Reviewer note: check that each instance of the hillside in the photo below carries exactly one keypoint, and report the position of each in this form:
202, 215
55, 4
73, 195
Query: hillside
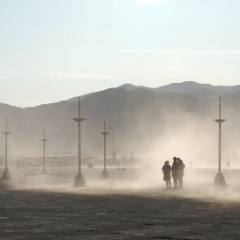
145, 122
202, 90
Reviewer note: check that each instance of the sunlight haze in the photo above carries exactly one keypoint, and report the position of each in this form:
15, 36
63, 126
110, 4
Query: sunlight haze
55, 50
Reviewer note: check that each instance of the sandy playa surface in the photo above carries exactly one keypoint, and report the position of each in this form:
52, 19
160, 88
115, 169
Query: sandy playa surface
132, 204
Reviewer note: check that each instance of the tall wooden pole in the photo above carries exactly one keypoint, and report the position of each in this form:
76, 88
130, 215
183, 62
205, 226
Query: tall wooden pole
219, 178
79, 180
220, 137
79, 139
6, 145
6, 174
105, 172
44, 171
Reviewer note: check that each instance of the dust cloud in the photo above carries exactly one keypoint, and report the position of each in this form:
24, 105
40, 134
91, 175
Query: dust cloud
198, 183
146, 133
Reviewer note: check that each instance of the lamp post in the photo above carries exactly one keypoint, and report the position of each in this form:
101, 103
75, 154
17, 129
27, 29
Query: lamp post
44, 171
219, 178
105, 172
113, 151
6, 174
79, 180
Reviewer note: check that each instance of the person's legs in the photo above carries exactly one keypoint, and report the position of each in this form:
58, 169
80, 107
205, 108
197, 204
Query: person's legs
175, 182
180, 182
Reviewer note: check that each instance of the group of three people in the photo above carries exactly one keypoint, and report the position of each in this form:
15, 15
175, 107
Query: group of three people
177, 170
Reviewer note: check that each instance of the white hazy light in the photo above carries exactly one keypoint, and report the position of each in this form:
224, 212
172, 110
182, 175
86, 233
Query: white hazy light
149, 2
73, 75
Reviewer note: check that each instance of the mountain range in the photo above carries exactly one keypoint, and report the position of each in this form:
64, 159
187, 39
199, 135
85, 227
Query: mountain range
156, 123
195, 89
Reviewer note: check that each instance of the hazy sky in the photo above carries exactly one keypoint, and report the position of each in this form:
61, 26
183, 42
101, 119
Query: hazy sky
52, 50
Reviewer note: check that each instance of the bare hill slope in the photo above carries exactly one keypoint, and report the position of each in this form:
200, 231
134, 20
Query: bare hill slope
145, 122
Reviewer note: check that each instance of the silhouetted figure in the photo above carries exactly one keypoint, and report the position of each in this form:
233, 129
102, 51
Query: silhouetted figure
167, 173
90, 165
228, 164
175, 172
181, 167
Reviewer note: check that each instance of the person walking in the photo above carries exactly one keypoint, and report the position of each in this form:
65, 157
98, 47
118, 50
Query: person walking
181, 167
167, 174
175, 172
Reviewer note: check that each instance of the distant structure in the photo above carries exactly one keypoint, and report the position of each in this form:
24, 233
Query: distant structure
56, 154
44, 171
6, 174
113, 151
228, 164
132, 156
219, 179
67, 154
105, 172
79, 180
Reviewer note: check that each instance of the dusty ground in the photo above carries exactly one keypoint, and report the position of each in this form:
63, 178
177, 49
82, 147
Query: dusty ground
131, 205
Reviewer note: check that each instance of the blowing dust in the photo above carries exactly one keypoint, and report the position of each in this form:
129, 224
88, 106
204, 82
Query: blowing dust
147, 182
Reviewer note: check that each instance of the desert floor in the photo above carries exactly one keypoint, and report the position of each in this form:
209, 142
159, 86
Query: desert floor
132, 204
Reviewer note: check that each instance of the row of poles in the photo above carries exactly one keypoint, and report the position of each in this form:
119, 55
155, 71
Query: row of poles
80, 181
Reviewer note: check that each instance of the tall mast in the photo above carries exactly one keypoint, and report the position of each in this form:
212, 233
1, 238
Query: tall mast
219, 179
